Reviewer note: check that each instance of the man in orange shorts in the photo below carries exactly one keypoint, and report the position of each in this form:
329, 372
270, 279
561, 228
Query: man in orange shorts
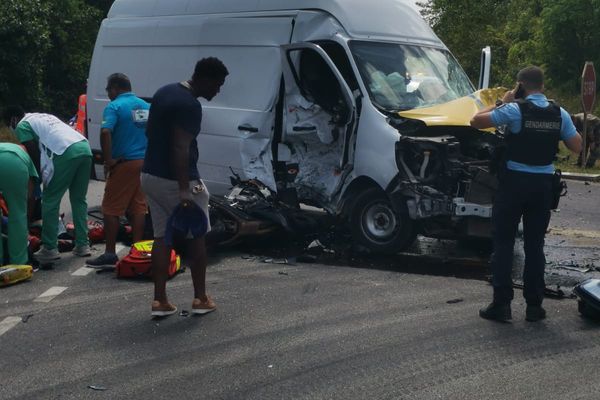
123, 141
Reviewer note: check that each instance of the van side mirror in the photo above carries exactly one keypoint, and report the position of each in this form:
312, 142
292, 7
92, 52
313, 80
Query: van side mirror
485, 68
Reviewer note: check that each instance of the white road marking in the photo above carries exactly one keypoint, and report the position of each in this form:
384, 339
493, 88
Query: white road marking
83, 271
8, 323
50, 294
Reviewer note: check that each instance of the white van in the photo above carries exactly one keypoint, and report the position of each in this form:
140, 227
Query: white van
353, 106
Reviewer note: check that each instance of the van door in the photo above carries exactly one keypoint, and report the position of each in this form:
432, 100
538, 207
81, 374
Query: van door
238, 123
319, 123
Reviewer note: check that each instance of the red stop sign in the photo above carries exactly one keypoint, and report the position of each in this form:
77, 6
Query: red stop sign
588, 87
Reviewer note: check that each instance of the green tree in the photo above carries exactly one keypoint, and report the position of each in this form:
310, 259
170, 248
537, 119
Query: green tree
68, 59
558, 35
25, 34
466, 27
102, 5
521, 35
569, 36
46, 51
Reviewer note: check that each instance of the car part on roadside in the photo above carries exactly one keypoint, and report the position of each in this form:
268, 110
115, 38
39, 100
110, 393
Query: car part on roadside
252, 210
588, 293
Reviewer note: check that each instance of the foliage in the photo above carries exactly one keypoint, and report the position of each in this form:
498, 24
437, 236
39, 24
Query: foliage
46, 51
47, 44
558, 35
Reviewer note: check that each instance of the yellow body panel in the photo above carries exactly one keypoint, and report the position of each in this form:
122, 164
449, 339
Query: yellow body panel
457, 112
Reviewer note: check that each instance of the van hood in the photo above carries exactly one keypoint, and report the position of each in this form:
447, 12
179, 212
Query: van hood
456, 112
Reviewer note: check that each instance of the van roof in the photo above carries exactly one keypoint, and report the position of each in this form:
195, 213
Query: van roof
388, 19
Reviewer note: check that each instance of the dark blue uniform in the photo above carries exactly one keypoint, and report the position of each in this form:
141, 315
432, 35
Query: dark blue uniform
534, 128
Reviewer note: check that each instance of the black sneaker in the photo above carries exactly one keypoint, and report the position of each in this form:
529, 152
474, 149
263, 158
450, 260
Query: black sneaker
496, 312
534, 313
103, 261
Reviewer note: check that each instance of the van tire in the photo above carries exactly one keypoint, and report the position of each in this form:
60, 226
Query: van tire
377, 225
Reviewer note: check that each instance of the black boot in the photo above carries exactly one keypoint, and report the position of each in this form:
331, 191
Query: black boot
496, 312
534, 313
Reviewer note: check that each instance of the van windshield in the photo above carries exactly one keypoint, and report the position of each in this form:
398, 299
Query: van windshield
402, 77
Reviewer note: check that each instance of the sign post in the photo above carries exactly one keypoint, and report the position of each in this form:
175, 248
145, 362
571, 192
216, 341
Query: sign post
588, 98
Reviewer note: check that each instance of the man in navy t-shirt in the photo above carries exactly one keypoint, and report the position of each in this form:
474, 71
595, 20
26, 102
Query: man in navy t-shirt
170, 175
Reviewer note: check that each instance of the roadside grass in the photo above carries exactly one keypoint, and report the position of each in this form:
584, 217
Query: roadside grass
567, 162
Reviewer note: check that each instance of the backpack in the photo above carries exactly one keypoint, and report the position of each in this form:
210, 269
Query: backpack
138, 263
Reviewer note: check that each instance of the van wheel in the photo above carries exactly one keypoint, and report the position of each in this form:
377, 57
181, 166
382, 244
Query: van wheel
378, 226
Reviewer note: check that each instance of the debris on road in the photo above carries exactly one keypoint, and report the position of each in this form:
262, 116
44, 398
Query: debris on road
184, 313
95, 387
275, 260
574, 269
25, 318
557, 293
588, 293
251, 210
455, 301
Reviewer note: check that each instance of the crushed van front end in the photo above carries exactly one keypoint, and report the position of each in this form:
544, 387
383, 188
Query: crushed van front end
446, 177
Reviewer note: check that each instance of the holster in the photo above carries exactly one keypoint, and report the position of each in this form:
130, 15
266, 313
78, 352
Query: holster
559, 189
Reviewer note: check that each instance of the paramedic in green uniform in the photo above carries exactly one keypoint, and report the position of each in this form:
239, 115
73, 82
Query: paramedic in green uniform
17, 174
63, 159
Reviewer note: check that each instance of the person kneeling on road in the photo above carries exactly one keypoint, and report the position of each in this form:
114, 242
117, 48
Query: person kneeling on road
534, 127
63, 159
123, 141
170, 176
17, 177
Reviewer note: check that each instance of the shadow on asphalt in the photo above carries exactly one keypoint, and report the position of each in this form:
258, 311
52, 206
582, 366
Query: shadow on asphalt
426, 257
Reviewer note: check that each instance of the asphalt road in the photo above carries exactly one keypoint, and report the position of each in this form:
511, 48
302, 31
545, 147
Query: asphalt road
381, 330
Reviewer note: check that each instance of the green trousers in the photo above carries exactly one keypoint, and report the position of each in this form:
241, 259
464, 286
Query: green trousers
14, 181
73, 174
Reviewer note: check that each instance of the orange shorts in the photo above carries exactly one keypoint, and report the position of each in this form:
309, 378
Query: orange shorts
123, 190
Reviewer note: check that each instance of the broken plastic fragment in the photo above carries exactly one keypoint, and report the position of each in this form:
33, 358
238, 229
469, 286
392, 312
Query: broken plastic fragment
94, 387
25, 318
275, 261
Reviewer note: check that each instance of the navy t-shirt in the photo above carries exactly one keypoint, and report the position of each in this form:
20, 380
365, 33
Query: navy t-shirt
172, 106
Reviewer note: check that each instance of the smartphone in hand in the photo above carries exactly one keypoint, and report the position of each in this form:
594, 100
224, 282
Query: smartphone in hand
519, 91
